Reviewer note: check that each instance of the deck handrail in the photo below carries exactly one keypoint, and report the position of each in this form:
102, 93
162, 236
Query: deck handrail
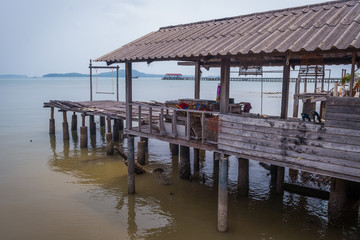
143, 107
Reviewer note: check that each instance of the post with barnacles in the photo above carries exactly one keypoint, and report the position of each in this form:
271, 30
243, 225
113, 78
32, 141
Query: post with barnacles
223, 163
83, 132
52, 122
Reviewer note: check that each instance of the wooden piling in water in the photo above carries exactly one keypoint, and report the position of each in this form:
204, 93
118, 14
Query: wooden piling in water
146, 140
184, 168
116, 130
102, 121
74, 122
223, 194
92, 125
141, 152
174, 149
196, 161
65, 125
52, 122
131, 165
109, 139
280, 180
243, 177
121, 124
83, 133
343, 201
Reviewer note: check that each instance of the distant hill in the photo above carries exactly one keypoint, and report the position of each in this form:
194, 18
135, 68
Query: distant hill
13, 76
135, 73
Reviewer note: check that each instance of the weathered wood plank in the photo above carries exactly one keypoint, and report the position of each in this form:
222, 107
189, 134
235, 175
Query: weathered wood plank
292, 150
275, 155
343, 101
297, 140
291, 165
342, 109
343, 117
343, 124
327, 137
294, 124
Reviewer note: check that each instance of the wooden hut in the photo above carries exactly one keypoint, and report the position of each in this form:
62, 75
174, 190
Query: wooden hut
320, 34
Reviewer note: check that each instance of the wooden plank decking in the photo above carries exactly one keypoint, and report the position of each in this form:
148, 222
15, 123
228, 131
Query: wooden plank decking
105, 108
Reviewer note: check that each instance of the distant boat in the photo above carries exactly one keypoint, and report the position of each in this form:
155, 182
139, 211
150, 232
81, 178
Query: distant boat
173, 76
135, 77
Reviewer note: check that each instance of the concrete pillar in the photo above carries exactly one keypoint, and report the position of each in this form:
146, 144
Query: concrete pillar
65, 127
52, 122
174, 149
184, 168
216, 159
223, 194
131, 165
74, 122
243, 177
141, 152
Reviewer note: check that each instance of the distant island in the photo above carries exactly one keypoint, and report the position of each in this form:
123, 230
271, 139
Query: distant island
13, 76
135, 73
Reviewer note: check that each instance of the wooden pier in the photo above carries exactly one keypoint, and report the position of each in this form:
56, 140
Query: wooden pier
329, 147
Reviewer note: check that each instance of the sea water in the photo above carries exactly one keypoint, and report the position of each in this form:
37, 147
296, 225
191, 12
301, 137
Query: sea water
52, 189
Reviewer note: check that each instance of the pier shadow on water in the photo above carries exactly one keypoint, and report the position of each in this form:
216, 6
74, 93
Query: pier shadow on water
188, 209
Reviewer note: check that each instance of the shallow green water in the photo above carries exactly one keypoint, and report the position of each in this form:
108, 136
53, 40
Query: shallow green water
50, 189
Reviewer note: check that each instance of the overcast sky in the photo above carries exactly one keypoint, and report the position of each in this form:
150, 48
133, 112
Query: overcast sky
46, 36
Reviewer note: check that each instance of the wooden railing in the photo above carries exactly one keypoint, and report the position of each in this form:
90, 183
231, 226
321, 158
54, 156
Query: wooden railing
151, 119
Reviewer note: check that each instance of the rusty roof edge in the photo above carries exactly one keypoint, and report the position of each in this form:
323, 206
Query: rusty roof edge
258, 13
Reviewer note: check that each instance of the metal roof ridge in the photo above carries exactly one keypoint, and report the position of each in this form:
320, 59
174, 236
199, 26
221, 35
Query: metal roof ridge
258, 13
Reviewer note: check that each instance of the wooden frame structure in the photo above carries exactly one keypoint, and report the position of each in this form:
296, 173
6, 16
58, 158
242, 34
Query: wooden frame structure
258, 40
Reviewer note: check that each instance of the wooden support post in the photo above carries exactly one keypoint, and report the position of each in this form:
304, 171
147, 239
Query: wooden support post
223, 195
296, 98
83, 133
336, 85
352, 77
343, 201
174, 149
197, 80
102, 121
225, 85
308, 106
285, 91
90, 67
73, 122
128, 94
116, 130
243, 177
121, 124
52, 122
280, 180
146, 140
196, 161
65, 127
184, 169
131, 165
141, 152
92, 125
109, 139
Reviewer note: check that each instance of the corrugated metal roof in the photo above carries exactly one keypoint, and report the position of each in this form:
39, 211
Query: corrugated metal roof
320, 27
